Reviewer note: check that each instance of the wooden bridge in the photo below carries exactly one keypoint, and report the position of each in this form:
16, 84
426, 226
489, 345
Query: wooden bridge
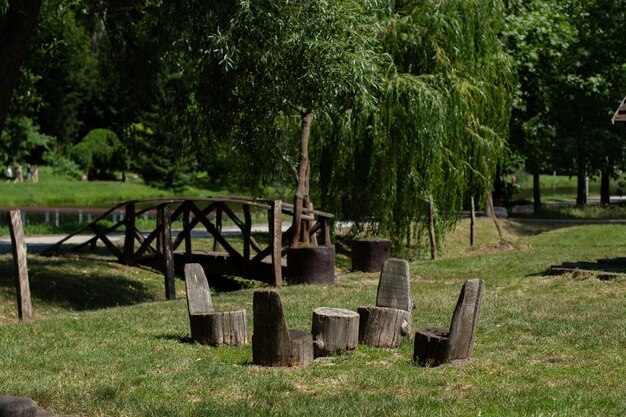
238, 254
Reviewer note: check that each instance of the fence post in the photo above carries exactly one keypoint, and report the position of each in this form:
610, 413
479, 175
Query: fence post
164, 218
24, 306
129, 234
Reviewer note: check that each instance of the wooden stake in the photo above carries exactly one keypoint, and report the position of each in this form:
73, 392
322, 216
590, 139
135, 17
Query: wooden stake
431, 230
24, 306
491, 212
472, 220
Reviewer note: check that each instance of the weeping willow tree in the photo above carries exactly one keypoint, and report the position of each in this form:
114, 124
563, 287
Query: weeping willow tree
438, 127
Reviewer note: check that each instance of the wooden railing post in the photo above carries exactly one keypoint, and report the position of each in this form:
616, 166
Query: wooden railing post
326, 231
129, 234
164, 218
218, 226
275, 223
24, 306
247, 234
187, 232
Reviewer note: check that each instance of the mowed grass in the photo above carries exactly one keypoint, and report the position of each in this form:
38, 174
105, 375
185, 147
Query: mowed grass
546, 346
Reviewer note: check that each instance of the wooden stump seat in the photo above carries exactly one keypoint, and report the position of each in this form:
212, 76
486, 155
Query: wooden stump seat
334, 330
273, 344
386, 324
433, 346
208, 327
369, 255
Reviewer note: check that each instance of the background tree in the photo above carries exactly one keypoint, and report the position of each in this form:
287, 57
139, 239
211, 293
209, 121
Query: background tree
538, 34
438, 127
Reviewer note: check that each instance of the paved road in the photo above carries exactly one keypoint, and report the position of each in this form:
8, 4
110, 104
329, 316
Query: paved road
40, 243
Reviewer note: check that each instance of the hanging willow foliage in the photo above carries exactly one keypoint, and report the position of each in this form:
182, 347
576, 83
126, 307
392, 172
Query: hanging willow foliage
436, 129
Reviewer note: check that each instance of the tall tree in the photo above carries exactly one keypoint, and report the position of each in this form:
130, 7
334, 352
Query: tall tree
17, 21
438, 128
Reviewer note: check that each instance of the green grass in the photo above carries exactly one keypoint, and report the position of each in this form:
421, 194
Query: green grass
546, 346
59, 191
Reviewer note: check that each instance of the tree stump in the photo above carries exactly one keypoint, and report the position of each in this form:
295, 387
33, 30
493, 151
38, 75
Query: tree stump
311, 265
430, 347
219, 328
272, 343
17, 407
334, 330
383, 326
370, 255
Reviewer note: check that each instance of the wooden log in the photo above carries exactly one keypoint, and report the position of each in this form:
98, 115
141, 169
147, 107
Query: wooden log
20, 266
430, 347
394, 289
219, 328
334, 330
273, 344
382, 326
311, 265
370, 255
17, 407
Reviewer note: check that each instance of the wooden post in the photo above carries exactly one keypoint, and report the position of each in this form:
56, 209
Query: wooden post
218, 226
431, 230
326, 229
275, 219
472, 220
163, 213
247, 231
187, 231
491, 212
24, 306
129, 234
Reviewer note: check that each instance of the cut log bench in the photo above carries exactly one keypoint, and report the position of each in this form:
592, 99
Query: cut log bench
208, 327
334, 330
273, 344
389, 322
21, 407
434, 346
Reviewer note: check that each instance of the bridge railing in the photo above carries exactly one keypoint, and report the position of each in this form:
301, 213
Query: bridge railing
211, 213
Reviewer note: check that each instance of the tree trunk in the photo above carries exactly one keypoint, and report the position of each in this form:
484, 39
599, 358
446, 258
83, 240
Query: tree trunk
498, 186
581, 194
605, 198
301, 189
14, 43
536, 191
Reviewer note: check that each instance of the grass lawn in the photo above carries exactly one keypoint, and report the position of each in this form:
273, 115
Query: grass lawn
545, 346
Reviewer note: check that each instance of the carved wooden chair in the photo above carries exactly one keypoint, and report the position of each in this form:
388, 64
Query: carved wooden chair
273, 344
386, 324
434, 346
208, 327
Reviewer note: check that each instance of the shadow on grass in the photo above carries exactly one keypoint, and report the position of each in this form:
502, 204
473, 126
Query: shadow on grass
64, 282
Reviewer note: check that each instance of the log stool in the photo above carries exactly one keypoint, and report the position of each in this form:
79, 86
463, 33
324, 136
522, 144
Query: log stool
334, 330
369, 255
386, 324
208, 327
435, 346
273, 344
